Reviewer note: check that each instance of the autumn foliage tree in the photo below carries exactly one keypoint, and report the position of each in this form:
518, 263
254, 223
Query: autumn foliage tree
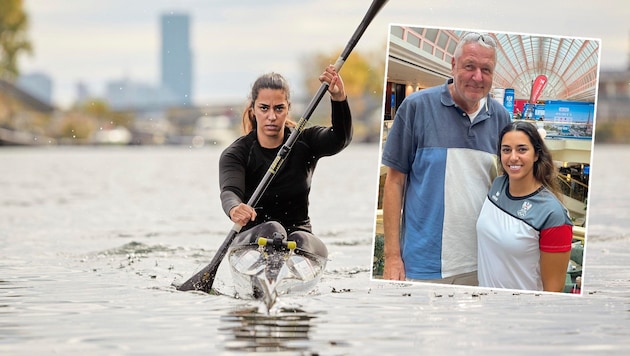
13, 37
363, 76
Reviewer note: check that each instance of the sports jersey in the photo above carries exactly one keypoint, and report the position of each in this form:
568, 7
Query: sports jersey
513, 230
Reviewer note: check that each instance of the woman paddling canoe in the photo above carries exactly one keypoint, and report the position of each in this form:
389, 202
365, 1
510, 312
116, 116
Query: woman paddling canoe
283, 208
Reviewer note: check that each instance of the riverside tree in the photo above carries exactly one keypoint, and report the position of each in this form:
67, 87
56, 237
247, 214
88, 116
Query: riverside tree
13, 37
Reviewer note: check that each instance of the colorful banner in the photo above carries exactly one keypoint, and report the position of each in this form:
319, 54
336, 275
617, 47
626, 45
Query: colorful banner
560, 118
508, 99
537, 88
569, 111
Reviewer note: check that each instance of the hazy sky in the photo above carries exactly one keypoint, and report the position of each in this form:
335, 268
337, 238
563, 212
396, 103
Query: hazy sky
234, 41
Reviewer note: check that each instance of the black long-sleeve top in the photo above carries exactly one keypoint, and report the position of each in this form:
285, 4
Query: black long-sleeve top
244, 163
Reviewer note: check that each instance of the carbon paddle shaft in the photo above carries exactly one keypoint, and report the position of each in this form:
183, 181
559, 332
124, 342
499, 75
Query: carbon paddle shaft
204, 279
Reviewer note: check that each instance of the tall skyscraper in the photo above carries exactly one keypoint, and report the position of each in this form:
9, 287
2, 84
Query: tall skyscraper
176, 57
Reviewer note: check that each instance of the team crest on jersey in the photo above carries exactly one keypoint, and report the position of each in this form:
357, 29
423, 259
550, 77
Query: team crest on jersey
524, 209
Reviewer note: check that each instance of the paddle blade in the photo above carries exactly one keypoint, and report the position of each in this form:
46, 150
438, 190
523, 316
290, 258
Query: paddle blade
204, 279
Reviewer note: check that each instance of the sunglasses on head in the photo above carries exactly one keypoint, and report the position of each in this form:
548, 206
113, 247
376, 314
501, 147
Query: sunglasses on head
485, 38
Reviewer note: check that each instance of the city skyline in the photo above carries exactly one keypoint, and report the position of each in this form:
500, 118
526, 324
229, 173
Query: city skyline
232, 43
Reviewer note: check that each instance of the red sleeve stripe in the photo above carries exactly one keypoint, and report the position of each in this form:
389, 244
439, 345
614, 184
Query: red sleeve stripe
556, 239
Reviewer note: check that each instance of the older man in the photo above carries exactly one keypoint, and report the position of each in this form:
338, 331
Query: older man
441, 159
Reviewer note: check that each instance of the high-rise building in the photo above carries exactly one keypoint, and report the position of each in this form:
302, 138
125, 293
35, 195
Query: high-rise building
176, 57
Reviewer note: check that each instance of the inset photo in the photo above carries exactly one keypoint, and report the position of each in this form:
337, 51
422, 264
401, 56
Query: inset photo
485, 159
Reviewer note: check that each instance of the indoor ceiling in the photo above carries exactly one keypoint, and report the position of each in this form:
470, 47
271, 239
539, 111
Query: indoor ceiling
421, 57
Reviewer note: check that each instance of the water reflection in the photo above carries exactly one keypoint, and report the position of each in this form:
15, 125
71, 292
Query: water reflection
252, 331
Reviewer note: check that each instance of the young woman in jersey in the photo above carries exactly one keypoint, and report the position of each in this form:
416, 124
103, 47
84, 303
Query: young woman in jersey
524, 232
284, 205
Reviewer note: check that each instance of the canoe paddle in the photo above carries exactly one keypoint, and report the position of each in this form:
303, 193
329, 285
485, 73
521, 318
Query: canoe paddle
204, 279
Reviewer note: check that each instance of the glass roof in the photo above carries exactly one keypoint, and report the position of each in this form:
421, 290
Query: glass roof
570, 64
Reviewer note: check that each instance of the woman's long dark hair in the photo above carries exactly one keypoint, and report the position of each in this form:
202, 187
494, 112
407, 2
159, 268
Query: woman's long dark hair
266, 81
544, 169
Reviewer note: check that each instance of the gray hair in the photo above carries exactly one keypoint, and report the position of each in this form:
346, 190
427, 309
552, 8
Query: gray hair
483, 39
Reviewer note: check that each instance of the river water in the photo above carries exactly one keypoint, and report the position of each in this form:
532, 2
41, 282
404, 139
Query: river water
92, 239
